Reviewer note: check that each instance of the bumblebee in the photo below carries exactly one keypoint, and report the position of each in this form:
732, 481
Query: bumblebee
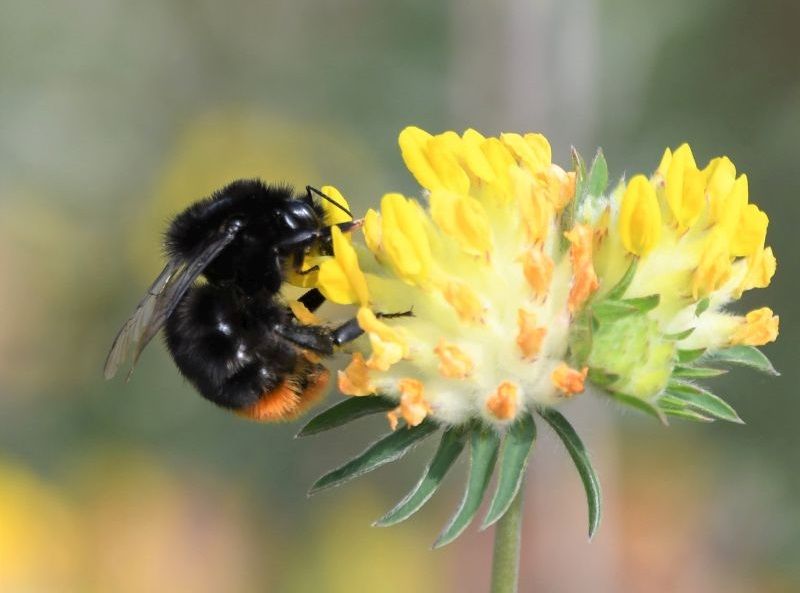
231, 336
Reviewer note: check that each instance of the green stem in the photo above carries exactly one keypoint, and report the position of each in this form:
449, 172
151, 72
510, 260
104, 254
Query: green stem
507, 536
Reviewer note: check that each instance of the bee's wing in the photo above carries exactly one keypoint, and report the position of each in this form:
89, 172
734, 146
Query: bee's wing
158, 304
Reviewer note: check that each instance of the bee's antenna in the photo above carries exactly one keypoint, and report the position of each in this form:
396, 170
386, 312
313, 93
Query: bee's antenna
314, 190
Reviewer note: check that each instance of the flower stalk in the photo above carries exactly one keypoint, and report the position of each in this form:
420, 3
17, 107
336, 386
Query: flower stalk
507, 545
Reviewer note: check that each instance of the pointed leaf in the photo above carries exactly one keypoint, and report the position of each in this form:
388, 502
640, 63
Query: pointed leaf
686, 414
703, 401
678, 336
597, 178
621, 287
390, 448
610, 310
746, 356
450, 447
346, 411
690, 372
579, 455
517, 446
686, 356
640, 404
702, 306
484, 443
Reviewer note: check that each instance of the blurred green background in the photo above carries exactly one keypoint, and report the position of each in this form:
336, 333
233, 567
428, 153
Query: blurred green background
114, 115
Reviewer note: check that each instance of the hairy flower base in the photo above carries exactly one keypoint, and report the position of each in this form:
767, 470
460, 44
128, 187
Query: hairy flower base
527, 281
511, 285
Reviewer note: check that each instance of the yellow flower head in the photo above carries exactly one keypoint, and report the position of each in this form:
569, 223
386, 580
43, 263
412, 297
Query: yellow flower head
527, 283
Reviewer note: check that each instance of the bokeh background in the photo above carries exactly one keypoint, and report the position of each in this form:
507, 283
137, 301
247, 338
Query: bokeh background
115, 114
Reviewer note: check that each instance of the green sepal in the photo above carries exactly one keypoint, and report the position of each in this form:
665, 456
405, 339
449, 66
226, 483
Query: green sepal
450, 447
702, 401
597, 178
640, 404
611, 310
678, 336
686, 356
346, 411
517, 447
390, 448
702, 306
749, 356
678, 408
484, 443
580, 457
620, 288
690, 372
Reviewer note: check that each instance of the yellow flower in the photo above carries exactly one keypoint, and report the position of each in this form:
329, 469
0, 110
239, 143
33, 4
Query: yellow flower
758, 327
685, 188
502, 273
640, 217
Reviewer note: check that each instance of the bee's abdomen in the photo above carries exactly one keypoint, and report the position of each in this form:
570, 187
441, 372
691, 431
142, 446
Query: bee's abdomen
229, 355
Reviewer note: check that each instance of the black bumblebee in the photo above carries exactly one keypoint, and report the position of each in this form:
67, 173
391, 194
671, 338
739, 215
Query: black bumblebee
231, 336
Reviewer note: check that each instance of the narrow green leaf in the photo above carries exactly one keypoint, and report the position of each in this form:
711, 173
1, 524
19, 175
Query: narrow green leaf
346, 411
483, 454
579, 455
517, 446
620, 288
744, 355
703, 401
450, 447
686, 356
686, 414
597, 178
702, 306
638, 403
610, 310
690, 372
680, 335
390, 448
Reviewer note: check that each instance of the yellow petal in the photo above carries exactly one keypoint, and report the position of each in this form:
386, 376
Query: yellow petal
501, 162
567, 380
758, 327
464, 219
340, 277
503, 402
454, 363
751, 232
663, 166
556, 185
404, 238
731, 208
413, 405
533, 155
535, 209
334, 215
389, 346
372, 231
474, 158
584, 278
640, 217
760, 270
413, 148
721, 175
464, 301
354, 379
714, 267
685, 188
538, 269
530, 335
